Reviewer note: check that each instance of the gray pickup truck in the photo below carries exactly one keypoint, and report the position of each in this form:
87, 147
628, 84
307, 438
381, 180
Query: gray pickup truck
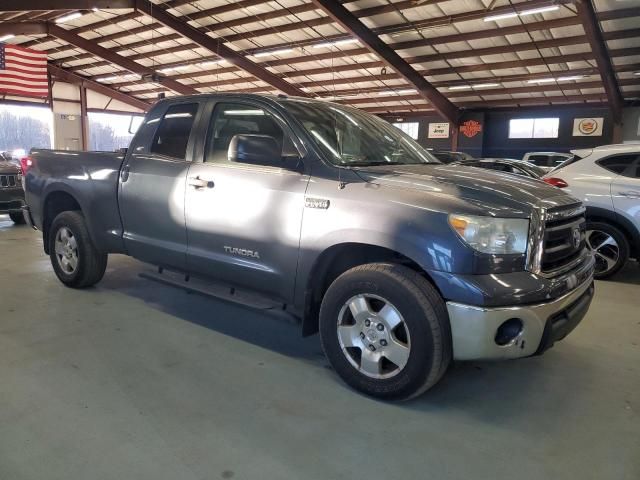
401, 263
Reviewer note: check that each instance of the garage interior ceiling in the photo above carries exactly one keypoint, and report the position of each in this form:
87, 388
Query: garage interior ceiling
476, 53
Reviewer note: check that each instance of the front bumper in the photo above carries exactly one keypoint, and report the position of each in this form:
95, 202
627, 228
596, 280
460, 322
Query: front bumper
474, 329
11, 200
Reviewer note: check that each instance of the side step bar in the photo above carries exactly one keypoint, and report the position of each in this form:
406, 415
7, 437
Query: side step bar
222, 292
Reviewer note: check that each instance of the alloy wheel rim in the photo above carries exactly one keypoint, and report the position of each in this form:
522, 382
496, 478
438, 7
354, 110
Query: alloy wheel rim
66, 249
373, 336
605, 249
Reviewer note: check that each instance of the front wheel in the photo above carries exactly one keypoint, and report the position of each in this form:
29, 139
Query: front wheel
75, 259
609, 246
17, 218
385, 330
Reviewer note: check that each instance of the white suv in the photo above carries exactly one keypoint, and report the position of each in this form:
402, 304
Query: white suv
607, 180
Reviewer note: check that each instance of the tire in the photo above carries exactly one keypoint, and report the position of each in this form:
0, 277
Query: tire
424, 328
69, 230
610, 247
17, 218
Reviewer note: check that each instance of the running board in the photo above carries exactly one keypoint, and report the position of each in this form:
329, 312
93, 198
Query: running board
230, 294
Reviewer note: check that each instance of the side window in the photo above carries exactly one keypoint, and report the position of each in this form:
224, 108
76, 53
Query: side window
557, 160
540, 160
231, 119
172, 136
626, 165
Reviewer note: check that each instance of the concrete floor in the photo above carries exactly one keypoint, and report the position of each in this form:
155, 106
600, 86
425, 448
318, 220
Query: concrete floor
134, 380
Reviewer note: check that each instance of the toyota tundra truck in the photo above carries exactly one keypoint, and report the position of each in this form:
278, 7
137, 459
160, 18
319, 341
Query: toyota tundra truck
401, 263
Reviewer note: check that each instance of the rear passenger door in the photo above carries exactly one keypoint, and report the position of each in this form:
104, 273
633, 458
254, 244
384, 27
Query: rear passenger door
152, 185
625, 188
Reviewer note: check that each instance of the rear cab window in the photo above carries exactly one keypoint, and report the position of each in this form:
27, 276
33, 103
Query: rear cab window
172, 135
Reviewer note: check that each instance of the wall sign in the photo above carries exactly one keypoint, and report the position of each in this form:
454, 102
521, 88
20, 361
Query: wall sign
438, 130
587, 127
470, 128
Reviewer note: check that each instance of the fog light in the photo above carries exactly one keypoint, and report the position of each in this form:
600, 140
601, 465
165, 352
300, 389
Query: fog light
508, 331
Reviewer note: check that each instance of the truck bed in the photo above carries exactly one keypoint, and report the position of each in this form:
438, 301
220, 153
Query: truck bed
89, 179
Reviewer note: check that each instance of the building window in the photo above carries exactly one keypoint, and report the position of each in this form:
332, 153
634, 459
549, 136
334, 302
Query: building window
410, 128
24, 128
533, 127
111, 131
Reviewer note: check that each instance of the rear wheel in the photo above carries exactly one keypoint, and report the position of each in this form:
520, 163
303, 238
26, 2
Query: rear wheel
609, 246
17, 218
385, 330
75, 259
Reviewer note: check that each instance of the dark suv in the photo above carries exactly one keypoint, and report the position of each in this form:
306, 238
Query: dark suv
11, 193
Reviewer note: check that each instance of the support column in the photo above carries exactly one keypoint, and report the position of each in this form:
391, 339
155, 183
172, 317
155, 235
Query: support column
84, 119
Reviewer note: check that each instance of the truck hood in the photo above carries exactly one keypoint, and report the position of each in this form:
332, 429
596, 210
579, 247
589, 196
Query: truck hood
493, 192
7, 168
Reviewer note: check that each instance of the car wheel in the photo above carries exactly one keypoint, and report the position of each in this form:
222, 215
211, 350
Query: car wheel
385, 330
75, 259
17, 218
609, 246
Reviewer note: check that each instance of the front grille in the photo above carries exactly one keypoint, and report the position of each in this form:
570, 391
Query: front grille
8, 181
564, 237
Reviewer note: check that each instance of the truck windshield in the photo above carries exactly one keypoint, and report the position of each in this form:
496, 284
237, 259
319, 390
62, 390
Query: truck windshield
351, 138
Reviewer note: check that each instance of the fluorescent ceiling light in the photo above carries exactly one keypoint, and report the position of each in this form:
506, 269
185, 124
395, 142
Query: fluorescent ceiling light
460, 87
67, 18
108, 79
171, 69
6, 37
542, 80
273, 52
485, 85
572, 77
210, 63
397, 92
501, 16
550, 8
336, 43
636, 73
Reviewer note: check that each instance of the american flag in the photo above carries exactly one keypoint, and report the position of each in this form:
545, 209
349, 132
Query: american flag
23, 71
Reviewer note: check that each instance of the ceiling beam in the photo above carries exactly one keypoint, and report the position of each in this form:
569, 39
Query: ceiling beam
588, 17
62, 75
217, 47
22, 28
397, 110
126, 63
44, 5
359, 30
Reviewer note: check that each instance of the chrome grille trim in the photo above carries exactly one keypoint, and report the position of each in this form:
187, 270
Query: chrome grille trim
537, 230
8, 181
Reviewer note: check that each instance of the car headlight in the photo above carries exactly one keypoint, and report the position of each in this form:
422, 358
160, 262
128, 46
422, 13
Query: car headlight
492, 235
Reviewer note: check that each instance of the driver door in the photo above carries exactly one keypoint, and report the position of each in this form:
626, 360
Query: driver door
244, 220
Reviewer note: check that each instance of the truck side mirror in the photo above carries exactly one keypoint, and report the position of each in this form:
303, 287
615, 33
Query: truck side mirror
259, 150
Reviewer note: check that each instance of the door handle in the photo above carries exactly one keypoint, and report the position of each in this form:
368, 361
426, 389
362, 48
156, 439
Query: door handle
630, 194
198, 183
124, 173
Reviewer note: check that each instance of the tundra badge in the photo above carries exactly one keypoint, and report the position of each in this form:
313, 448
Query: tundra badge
242, 251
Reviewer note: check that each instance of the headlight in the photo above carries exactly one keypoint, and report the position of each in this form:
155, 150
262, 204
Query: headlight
492, 235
